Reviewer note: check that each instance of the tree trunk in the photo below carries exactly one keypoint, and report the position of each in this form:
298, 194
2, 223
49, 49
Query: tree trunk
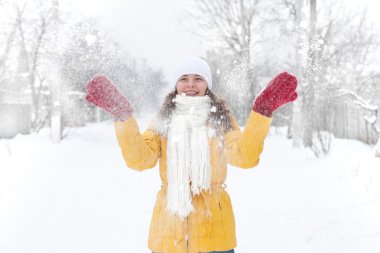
56, 117
309, 92
377, 149
296, 125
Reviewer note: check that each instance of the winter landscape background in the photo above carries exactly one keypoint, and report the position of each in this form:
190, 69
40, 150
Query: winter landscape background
64, 186
79, 196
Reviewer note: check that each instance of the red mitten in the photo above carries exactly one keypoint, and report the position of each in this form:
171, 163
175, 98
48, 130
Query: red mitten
104, 94
281, 90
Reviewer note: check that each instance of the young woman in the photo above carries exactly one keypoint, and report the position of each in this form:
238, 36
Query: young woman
194, 137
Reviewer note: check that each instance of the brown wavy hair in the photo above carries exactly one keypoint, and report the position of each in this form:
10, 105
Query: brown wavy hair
220, 118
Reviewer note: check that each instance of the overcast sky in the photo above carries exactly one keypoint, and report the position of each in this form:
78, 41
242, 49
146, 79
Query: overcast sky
152, 29
147, 29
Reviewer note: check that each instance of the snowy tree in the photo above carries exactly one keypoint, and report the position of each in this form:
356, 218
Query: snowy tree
347, 67
330, 57
51, 54
303, 128
26, 42
7, 38
90, 51
230, 25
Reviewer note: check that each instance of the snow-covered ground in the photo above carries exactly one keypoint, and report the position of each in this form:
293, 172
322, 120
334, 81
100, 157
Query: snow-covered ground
79, 197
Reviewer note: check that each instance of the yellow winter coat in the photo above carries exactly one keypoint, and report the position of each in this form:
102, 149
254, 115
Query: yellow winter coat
211, 227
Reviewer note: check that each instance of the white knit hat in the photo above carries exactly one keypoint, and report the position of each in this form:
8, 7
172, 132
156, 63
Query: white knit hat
193, 65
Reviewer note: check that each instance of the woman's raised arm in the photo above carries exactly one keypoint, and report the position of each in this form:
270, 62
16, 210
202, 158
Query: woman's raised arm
140, 151
244, 148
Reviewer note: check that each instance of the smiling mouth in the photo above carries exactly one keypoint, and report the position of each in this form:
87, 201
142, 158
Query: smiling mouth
191, 93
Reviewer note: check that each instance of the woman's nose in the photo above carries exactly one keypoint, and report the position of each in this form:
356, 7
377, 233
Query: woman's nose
190, 83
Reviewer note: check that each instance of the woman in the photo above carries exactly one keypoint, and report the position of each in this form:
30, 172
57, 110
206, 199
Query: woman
194, 137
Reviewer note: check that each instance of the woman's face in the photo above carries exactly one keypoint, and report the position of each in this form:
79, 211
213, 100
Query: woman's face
191, 85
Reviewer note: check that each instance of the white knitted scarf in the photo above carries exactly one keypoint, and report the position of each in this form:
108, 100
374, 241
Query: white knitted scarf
188, 153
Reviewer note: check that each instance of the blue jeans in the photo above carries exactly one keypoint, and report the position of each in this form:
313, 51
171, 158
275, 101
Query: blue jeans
228, 251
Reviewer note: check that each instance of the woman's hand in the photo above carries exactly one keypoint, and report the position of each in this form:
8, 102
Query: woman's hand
104, 94
281, 90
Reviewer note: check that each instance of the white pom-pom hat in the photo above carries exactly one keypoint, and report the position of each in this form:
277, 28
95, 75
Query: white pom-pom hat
193, 65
